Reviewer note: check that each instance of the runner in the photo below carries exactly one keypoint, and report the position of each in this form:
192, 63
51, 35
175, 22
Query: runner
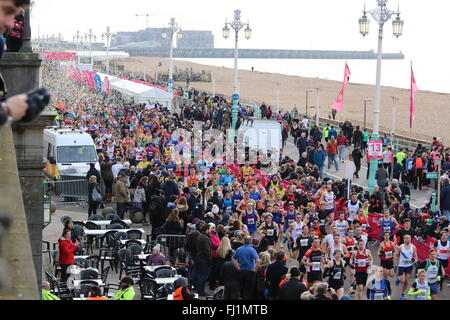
388, 224
294, 230
363, 221
407, 254
337, 244
341, 224
304, 242
379, 288
313, 260
443, 249
362, 259
335, 271
350, 243
269, 230
386, 252
328, 197
289, 217
434, 270
353, 206
420, 289
250, 218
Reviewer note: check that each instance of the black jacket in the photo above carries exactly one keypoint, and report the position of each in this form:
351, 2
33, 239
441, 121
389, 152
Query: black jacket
94, 172
275, 272
170, 188
292, 290
191, 243
204, 247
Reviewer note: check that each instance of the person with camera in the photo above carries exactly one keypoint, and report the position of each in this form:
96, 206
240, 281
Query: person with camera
22, 107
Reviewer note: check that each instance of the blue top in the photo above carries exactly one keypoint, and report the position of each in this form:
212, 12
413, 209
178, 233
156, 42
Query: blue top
246, 256
255, 196
319, 158
226, 179
387, 226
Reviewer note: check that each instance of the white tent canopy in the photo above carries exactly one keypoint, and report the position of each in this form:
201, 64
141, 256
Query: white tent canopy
111, 79
141, 92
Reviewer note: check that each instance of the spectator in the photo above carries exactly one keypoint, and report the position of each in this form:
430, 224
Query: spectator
246, 261
66, 252
445, 198
121, 195
293, 288
93, 203
332, 153
202, 263
126, 290
342, 145
156, 258
46, 294
275, 272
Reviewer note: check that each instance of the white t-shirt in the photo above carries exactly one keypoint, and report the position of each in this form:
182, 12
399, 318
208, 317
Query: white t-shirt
116, 168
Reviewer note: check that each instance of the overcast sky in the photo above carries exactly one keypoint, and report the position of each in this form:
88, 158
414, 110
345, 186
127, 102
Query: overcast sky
281, 24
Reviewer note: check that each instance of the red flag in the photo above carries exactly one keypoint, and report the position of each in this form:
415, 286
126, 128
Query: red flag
338, 106
414, 89
107, 88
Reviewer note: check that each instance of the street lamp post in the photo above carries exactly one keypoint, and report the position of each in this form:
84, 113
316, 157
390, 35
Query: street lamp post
318, 107
169, 33
365, 111
278, 98
236, 25
91, 37
108, 36
307, 91
381, 15
77, 38
394, 115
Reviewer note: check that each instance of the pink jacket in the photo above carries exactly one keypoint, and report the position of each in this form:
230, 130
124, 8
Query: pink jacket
215, 243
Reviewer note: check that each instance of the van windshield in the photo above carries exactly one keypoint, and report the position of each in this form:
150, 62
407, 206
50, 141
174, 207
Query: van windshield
76, 154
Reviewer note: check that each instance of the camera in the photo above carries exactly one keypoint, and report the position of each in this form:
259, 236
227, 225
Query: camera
37, 100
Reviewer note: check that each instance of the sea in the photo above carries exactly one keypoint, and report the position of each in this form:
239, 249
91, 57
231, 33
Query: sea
395, 73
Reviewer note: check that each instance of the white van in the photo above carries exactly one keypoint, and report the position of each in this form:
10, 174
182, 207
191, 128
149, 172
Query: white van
263, 135
71, 150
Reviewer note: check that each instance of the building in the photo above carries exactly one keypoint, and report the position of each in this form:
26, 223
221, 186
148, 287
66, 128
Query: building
152, 38
196, 39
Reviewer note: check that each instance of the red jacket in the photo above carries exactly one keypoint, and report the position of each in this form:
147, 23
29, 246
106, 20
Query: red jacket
66, 251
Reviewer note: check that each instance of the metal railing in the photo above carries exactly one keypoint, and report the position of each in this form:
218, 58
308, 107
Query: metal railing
171, 245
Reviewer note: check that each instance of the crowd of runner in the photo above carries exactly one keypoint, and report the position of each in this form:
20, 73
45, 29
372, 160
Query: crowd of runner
244, 226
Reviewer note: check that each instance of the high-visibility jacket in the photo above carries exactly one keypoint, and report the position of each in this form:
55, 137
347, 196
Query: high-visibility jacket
47, 295
177, 295
98, 298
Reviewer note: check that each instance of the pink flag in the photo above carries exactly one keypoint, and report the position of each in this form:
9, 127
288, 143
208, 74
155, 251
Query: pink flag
107, 89
414, 89
338, 106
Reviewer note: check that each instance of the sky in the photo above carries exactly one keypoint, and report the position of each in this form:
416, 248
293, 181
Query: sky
282, 24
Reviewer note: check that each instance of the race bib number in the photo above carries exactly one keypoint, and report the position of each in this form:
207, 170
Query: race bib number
251, 221
364, 226
322, 222
388, 254
228, 210
387, 229
270, 232
361, 263
379, 296
337, 275
316, 266
407, 261
236, 202
304, 242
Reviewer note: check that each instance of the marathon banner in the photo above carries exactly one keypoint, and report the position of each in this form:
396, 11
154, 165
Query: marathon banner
58, 56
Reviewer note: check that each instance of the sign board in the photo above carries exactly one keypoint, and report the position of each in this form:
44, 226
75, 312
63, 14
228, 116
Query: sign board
235, 97
432, 175
375, 149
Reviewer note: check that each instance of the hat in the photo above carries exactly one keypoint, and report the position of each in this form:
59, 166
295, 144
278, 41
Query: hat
181, 282
406, 205
295, 272
209, 215
215, 209
171, 205
212, 224
172, 176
